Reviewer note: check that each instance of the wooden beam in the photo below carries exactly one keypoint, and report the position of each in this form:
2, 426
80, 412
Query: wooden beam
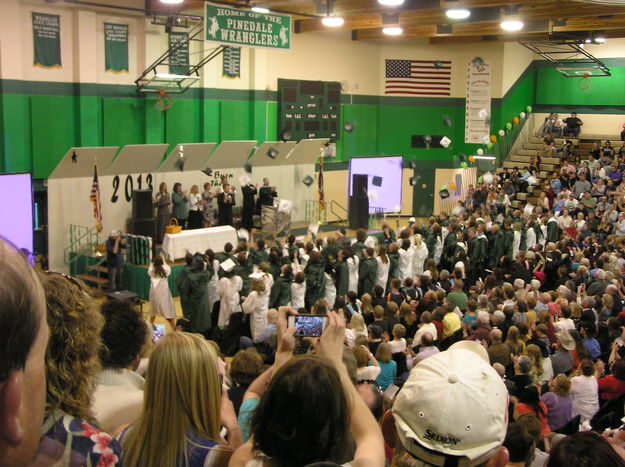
455, 40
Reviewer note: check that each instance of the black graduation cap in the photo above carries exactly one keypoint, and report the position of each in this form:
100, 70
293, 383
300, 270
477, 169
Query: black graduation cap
413, 165
179, 164
477, 61
308, 180
444, 192
414, 180
348, 127
247, 167
74, 157
273, 153
285, 135
208, 171
438, 64
377, 180
446, 120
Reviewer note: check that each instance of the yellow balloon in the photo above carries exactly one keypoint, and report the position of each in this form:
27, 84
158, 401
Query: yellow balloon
493, 138
471, 159
452, 186
515, 120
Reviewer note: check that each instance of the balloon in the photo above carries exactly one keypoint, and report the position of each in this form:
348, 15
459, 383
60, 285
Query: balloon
471, 159
515, 120
528, 108
480, 152
452, 186
490, 145
502, 133
508, 126
493, 139
464, 165
522, 115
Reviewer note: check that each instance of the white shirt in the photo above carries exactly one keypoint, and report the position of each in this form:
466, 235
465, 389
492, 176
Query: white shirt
352, 269
298, 292
194, 201
430, 327
228, 289
420, 255
405, 263
381, 275
397, 346
118, 398
585, 392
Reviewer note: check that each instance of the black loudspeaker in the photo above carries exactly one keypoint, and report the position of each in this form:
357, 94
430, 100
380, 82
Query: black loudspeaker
358, 212
359, 185
142, 205
144, 227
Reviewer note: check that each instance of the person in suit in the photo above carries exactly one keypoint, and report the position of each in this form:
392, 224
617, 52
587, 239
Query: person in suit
225, 201
249, 191
267, 193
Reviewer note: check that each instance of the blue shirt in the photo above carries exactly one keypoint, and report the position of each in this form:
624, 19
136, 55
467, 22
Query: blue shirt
245, 416
114, 259
388, 373
593, 347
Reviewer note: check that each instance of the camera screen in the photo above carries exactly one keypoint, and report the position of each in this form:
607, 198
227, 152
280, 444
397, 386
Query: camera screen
158, 333
309, 326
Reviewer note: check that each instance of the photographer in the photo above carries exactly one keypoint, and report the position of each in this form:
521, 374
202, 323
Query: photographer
115, 259
226, 201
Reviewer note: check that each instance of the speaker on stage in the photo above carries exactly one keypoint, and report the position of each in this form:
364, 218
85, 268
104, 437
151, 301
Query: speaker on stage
142, 205
144, 227
358, 212
359, 184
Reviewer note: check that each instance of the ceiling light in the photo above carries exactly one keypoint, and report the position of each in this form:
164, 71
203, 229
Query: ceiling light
171, 1
600, 40
260, 9
458, 13
390, 2
392, 31
333, 21
511, 25
588, 40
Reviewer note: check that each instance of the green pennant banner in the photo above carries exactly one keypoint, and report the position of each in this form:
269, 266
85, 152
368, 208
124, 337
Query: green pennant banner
243, 27
179, 60
232, 62
116, 47
47, 39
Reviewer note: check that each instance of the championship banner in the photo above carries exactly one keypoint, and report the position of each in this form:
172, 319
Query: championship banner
243, 27
477, 116
179, 60
232, 62
47, 39
116, 47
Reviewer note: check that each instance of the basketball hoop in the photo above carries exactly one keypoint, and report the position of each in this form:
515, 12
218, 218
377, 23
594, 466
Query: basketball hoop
584, 82
163, 101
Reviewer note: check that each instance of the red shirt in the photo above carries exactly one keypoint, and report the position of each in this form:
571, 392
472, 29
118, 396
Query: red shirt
522, 408
440, 328
611, 387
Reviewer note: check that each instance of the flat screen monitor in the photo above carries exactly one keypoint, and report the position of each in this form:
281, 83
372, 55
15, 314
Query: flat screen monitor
384, 181
16, 209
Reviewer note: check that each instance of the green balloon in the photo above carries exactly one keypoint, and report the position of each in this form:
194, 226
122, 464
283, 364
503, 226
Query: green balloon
509, 126
464, 165
489, 145
528, 108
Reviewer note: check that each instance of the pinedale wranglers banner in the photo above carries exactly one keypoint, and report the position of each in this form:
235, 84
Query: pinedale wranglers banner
242, 27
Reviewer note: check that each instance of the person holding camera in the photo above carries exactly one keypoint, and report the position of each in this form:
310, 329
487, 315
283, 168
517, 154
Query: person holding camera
115, 245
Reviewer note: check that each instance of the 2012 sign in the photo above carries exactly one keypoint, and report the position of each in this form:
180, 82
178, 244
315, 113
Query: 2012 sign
129, 186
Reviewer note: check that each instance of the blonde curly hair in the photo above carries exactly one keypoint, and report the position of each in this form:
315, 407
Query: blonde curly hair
72, 356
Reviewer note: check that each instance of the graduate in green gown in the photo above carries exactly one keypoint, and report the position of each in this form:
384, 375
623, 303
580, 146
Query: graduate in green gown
315, 280
342, 275
367, 272
195, 287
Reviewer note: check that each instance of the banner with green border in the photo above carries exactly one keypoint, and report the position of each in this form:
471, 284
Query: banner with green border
179, 60
116, 47
244, 27
232, 62
47, 39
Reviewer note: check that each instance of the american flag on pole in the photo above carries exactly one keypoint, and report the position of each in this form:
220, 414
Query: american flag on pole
418, 77
95, 199
322, 203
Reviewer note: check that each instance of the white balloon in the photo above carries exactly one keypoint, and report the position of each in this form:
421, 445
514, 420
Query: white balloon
480, 152
522, 115
502, 133
488, 178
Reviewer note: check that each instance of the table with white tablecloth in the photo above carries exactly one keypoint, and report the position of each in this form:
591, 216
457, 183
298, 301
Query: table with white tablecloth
176, 246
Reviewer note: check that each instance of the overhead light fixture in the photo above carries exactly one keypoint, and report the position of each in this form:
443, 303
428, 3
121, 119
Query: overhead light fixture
458, 13
485, 158
171, 2
390, 2
600, 40
333, 21
392, 31
512, 25
588, 40
260, 9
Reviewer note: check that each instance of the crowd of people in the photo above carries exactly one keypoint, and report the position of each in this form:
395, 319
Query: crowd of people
487, 337
195, 210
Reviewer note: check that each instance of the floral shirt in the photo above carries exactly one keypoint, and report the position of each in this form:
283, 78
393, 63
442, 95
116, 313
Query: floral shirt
71, 442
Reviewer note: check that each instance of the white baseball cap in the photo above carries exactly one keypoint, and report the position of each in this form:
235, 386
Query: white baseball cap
412, 220
453, 404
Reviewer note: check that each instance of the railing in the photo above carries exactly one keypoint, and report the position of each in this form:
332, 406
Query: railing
312, 213
331, 208
513, 138
375, 214
80, 239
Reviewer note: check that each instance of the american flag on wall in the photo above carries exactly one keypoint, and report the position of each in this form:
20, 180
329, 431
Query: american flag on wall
95, 199
418, 77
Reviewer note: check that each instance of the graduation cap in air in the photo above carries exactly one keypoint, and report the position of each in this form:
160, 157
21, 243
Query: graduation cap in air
376, 180
348, 127
414, 180
445, 141
438, 64
446, 120
227, 265
179, 164
245, 180
272, 152
74, 157
308, 180
285, 135
247, 167
443, 192
208, 171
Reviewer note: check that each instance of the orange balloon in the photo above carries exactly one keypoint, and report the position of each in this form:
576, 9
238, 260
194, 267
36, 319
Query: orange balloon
493, 138
515, 120
471, 159
452, 186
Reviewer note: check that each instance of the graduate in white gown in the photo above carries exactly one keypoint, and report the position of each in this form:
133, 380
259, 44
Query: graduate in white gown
420, 255
256, 305
406, 254
161, 302
352, 268
228, 289
381, 275
298, 291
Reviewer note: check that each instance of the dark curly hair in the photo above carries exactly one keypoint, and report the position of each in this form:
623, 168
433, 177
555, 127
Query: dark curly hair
123, 336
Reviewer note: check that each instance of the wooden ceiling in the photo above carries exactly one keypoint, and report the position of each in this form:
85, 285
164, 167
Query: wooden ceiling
543, 19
